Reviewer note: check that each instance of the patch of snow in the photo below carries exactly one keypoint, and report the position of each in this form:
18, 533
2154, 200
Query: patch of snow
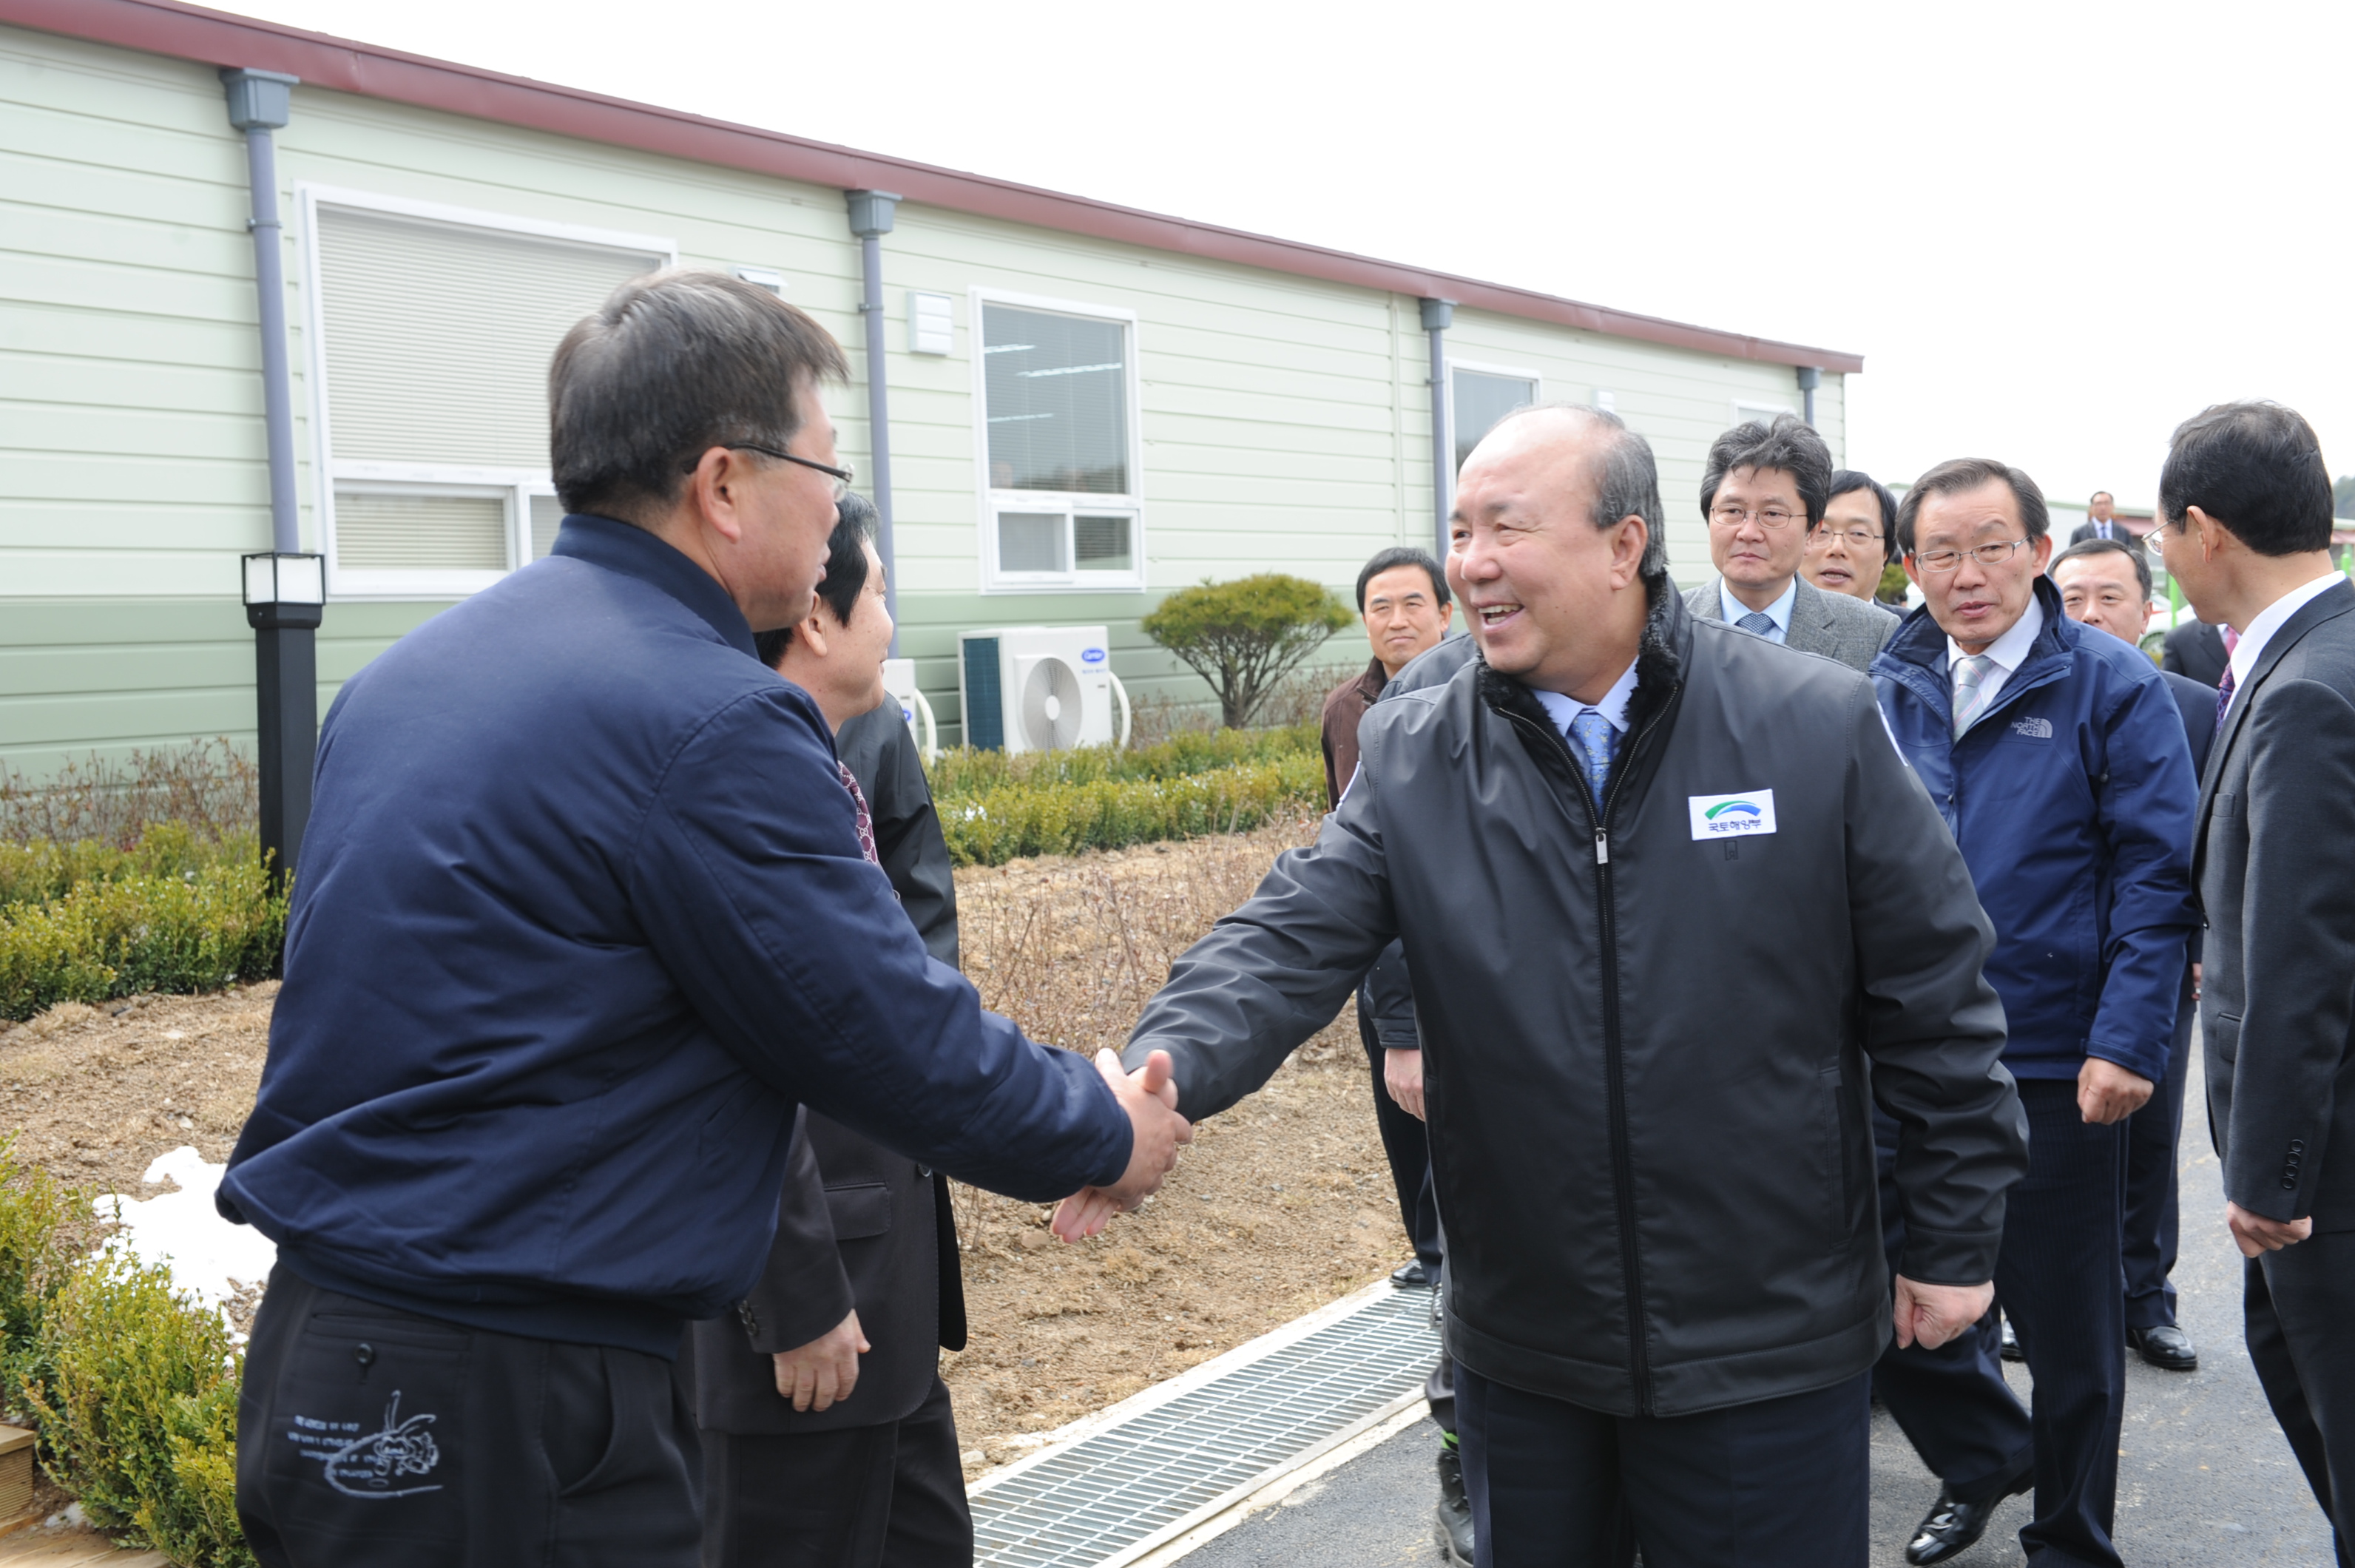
208, 1257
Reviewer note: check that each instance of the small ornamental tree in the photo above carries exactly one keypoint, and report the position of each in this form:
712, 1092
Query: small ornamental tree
1246, 636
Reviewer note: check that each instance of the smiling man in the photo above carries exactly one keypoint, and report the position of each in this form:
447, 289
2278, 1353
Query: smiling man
1856, 543
2057, 756
1664, 1280
1763, 491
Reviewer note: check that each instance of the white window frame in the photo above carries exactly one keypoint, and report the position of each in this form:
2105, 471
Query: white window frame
1481, 368
1745, 409
422, 478
990, 502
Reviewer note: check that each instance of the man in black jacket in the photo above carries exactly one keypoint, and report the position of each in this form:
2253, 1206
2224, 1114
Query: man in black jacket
1665, 888
797, 1473
2244, 502
2197, 650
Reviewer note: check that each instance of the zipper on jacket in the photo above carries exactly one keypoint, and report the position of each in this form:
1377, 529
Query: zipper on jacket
1623, 1174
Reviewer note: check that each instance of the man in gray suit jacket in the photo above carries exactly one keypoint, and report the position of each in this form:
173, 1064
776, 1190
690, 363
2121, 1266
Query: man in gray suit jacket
1765, 487
2244, 502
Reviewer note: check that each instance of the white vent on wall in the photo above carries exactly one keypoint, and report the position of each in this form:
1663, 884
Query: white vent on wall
931, 324
767, 278
1606, 399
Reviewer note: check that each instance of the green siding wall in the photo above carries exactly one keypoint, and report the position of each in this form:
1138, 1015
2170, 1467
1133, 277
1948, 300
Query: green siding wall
1285, 422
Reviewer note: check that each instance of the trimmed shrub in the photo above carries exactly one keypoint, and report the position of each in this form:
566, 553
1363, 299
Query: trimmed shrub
965, 772
38, 1219
83, 923
989, 827
139, 1416
1244, 636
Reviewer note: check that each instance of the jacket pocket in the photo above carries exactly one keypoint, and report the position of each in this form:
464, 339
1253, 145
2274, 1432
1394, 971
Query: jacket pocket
727, 1119
2225, 805
2220, 1033
857, 1212
1832, 1117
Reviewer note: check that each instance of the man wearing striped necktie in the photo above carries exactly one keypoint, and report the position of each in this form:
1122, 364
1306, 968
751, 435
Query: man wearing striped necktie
2057, 756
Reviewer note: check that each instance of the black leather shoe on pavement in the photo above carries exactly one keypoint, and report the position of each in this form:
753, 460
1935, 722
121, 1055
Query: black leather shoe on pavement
1951, 1528
2167, 1347
1454, 1529
1410, 1274
2011, 1350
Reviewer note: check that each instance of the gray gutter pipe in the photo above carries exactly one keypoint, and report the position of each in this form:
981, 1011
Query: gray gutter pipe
1810, 377
260, 101
1437, 317
871, 213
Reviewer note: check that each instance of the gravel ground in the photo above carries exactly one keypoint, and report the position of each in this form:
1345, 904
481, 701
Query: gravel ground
2204, 1477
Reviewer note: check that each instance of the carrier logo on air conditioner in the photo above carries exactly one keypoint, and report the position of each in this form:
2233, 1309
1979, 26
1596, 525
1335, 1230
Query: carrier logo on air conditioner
1092, 656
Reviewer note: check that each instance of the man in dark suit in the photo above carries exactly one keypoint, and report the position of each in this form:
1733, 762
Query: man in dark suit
2197, 649
2106, 583
2244, 502
1764, 490
2099, 524
797, 1470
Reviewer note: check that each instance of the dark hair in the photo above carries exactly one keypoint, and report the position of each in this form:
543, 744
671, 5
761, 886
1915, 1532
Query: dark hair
2084, 548
2097, 495
1849, 479
2255, 467
1626, 482
846, 572
671, 364
1391, 560
1789, 444
1961, 473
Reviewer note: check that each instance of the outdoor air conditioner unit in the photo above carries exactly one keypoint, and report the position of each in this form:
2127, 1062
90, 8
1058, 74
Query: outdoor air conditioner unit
899, 687
1040, 688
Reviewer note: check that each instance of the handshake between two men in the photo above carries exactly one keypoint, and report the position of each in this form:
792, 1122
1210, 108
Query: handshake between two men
1150, 1098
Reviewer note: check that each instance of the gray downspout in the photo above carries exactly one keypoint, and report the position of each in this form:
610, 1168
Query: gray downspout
1810, 377
285, 652
1437, 317
871, 219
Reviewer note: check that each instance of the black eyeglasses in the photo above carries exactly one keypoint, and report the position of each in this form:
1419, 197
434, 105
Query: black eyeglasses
841, 477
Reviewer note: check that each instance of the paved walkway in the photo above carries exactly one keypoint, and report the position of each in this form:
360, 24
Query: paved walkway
2204, 1479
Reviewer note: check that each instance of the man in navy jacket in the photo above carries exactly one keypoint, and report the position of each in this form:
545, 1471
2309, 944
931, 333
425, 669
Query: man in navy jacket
2057, 757
559, 969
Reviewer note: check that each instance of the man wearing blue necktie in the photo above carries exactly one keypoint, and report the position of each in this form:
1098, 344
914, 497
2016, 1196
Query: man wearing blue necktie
1764, 489
1664, 890
2100, 523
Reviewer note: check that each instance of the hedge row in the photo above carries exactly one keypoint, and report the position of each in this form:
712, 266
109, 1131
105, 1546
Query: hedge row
86, 922
989, 827
966, 773
131, 1384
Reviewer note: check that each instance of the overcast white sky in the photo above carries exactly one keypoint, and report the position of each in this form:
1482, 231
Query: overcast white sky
2052, 230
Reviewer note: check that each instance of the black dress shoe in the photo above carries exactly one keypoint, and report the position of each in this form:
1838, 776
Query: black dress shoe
2011, 1350
1411, 1274
1454, 1529
1951, 1528
2165, 1347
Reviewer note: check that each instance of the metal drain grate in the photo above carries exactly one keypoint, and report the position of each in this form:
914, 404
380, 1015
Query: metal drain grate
1112, 1496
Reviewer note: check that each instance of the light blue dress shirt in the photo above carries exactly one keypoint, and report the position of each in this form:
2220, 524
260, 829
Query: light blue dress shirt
1564, 710
1779, 611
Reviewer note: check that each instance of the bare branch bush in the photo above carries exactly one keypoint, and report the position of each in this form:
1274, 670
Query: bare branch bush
210, 788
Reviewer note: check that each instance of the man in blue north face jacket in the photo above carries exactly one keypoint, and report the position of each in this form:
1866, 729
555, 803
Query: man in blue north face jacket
2056, 754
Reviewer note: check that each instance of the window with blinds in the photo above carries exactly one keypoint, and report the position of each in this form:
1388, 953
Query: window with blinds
434, 336
1481, 398
1059, 443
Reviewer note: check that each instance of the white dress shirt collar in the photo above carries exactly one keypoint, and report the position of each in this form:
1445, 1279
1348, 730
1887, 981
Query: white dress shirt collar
2008, 651
1562, 710
2271, 619
1779, 611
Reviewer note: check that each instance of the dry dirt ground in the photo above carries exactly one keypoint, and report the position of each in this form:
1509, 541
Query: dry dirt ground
1279, 1205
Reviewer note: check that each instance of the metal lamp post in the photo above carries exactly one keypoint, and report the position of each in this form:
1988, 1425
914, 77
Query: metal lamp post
285, 594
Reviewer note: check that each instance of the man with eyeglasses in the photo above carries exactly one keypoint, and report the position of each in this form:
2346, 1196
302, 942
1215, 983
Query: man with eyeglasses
1763, 492
2057, 756
1855, 542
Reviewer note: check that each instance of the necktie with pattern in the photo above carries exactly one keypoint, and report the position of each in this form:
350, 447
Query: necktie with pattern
1596, 737
1757, 621
2224, 687
866, 819
1970, 695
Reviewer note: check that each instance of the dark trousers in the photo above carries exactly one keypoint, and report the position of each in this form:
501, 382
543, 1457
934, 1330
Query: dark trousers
2151, 1215
1408, 1151
370, 1435
2058, 1279
2298, 1304
857, 1497
1952, 1402
1783, 1483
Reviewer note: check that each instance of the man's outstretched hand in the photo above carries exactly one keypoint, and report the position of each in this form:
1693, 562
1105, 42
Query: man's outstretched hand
1933, 1313
1151, 1101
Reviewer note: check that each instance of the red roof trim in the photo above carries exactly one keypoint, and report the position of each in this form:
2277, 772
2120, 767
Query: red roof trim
216, 38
